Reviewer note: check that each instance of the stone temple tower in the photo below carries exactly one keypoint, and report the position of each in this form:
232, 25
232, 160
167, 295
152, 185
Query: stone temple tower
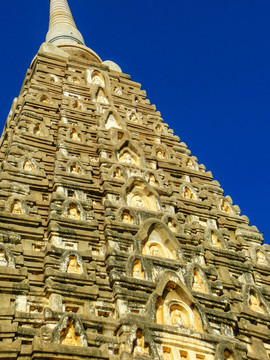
115, 244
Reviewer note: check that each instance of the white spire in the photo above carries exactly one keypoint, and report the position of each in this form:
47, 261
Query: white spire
62, 28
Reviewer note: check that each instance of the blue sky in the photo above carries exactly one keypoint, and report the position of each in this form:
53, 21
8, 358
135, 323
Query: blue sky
205, 64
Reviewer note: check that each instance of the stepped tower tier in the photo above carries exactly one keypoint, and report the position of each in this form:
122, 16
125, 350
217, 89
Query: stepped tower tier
115, 243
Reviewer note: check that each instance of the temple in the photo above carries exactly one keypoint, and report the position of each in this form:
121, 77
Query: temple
115, 243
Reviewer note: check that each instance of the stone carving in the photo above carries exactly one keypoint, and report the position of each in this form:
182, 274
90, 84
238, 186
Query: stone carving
74, 169
197, 282
188, 194
214, 240
73, 267
228, 355
261, 258
171, 225
27, 166
127, 158
127, 218
152, 180
97, 79
37, 130
139, 348
74, 135
17, 208
73, 212
117, 174
68, 337
137, 270
255, 303
111, 122
160, 154
225, 207
101, 97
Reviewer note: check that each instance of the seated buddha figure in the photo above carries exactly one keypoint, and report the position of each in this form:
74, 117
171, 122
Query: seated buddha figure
28, 165
225, 207
74, 169
152, 180
117, 174
70, 338
73, 267
255, 304
197, 283
137, 272
261, 258
126, 218
188, 194
228, 355
17, 208
37, 131
74, 135
73, 212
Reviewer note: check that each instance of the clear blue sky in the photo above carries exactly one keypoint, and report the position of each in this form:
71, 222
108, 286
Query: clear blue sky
205, 64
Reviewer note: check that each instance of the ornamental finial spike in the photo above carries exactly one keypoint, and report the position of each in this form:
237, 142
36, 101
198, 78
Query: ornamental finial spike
62, 28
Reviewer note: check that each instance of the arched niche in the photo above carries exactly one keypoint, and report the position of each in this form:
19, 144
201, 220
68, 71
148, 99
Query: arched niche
6, 257
142, 196
71, 263
137, 270
117, 172
260, 256
111, 119
97, 79
28, 164
75, 167
227, 351
191, 163
225, 206
74, 135
76, 105
214, 238
188, 192
70, 331
140, 347
17, 206
101, 97
173, 305
134, 117
255, 300
197, 280
127, 216
126, 152
73, 210
44, 98
155, 239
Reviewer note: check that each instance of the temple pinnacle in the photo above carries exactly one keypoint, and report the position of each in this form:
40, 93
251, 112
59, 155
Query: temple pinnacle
62, 28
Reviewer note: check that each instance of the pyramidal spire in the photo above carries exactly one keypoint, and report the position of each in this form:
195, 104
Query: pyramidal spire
62, 28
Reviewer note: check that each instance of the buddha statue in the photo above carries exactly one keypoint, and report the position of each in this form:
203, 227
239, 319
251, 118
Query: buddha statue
72, 267
176, 317
137, 201
126, 218
152, 180
197, 284
228, 355
74, 135
159, 128
126, 157
190, 164
188, 194
137, 272
171, 225
37, 131
117, 174
3, 260
97, 79
28, 165
155, 251
214, 240
133, 118
73, 212
255, 304
17, 208
160, 154
74, 169
261, 259
70, 338
225, 207
118, 91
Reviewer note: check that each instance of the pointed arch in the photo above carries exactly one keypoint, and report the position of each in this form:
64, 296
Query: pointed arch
70, 331
172, 304
128, 153
197, 280
255, 300
111, 119
97, 78
71, 262
101, 97
188, 192
28, 164
139, 194
154, 233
